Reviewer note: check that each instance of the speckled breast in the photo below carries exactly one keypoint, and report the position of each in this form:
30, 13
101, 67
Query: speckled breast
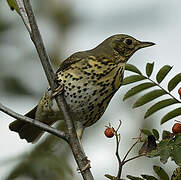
89, 86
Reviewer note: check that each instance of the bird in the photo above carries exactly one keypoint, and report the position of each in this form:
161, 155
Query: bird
89, 79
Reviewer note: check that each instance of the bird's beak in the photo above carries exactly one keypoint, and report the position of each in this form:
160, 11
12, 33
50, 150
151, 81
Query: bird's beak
145, 44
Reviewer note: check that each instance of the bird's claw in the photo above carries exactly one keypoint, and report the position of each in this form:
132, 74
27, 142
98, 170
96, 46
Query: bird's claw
57, 91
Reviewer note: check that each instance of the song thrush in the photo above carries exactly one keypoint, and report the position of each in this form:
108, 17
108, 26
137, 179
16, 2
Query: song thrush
90, 79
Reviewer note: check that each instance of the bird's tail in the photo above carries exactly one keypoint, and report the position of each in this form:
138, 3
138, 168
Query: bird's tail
26, 130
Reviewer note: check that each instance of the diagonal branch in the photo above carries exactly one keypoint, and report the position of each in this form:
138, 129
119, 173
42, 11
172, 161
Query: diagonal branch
54, 131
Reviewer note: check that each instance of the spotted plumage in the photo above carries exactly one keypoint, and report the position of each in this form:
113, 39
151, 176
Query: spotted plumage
90, 79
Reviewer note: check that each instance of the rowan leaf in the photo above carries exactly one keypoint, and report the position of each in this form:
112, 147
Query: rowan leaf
137, 89
155, 133
171, 114
148, 177
176, 154
162, 73
159, 105
174, 82
132, 68
132, 79
149, 69
149, 97
161, 173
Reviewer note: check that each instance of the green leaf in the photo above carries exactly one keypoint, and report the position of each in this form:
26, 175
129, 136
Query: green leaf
147, 177
12, 5
133, 178
132, 68
149, 97
149, 69
132, 79
171, 114
178, 139
174, 82
155, 133
146, 132
138, 89
164, 155
162, 73
110, 177
166, 135
177, 154
161, 173
159, 105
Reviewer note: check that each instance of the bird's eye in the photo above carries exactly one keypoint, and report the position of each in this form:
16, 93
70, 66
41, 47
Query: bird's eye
128, 41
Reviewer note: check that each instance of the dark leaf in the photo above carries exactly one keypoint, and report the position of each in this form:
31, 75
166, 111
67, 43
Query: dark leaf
174, 82
162, 73
159, 105
137, 89
133, 178
132, 68
155, 133
149, 69
149, 97
177, 154
110, 177
146, 132
147, 177
132, 79
166, 135
171, 114
161, 173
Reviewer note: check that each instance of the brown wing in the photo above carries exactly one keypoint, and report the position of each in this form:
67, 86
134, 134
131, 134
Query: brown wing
73, 59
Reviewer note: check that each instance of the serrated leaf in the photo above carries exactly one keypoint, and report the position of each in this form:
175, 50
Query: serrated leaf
132, 68
162, 73
148, 177
174, 82
178, 139
171, 114
176, 174
149, 69
146, 132
166, 135
164, 155
132, 79
155, 133
149, 97
161, 173
138, 89
133, 178
177, 154
159, 105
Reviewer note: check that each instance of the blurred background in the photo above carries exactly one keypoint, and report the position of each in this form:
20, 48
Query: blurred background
68, 26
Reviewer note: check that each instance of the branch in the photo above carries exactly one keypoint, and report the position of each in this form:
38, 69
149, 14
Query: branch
74, 143
54, 131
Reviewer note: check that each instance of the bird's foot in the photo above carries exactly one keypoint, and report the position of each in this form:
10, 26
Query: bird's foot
57, 91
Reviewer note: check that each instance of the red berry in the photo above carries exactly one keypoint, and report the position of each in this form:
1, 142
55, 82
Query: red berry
179, 92
176, 128
109, 132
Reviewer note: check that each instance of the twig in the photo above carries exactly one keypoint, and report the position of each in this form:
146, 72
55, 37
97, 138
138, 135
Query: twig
74, 143
23, 14
34, 122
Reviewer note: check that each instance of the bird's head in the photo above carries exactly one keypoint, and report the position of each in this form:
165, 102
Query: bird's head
124, 45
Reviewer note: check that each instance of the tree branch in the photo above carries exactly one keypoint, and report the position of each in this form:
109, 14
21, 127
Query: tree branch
74, 143
54, 131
